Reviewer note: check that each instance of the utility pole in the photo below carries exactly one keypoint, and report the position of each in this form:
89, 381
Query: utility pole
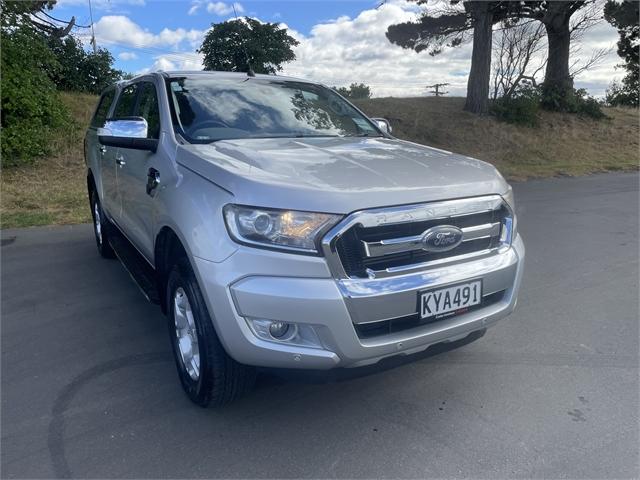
436, 89
93, 33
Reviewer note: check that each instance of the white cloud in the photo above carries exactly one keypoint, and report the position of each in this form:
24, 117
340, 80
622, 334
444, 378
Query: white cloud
121, 30
127, 56
347, 50
105, 5
175, 61
217, 8
221, 8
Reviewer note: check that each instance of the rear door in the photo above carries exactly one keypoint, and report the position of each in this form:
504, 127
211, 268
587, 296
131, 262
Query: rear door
97, 155
137, 217
112, 158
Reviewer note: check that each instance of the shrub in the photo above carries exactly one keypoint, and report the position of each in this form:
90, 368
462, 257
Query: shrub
521, 108
622, 95
356, 91
31, 107
590, 107
571, 101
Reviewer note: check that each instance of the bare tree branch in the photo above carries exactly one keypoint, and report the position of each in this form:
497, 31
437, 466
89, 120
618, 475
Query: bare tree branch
518, 48
596, 58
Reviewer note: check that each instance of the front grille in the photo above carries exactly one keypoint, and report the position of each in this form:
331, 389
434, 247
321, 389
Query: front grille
385, 327
355, 261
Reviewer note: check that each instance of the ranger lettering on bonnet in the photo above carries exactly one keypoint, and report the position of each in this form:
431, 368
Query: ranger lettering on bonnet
276, 225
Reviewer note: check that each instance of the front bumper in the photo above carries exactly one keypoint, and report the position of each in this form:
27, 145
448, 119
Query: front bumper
309, 294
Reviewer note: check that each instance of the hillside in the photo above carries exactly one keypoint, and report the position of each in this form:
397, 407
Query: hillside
563, 144
53, 191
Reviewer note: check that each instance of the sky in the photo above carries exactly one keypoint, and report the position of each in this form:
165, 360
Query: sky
341, 41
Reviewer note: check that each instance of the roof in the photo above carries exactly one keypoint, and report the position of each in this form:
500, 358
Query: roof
198, 73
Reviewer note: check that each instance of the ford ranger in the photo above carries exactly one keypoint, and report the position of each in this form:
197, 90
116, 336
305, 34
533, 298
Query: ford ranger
278, 226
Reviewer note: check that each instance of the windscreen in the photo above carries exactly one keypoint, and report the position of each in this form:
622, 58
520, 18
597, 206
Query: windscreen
208, 109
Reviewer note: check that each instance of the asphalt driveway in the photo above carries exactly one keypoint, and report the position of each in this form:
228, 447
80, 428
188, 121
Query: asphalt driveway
89, 388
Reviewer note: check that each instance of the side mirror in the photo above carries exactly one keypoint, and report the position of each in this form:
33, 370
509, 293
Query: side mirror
383, 124
130, 132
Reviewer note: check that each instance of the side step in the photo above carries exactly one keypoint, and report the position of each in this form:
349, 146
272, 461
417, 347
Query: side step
138, 268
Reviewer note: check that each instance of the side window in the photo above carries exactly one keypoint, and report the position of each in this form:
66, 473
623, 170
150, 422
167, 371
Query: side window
126, 102
103, 108
148, 108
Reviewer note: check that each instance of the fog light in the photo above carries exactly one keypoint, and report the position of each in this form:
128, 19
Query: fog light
285, 332
278, 329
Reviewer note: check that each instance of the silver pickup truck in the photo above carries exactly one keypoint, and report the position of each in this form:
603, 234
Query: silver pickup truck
278, 226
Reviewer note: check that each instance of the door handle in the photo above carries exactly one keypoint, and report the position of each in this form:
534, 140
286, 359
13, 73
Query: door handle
120, 160
102, 149
153, 180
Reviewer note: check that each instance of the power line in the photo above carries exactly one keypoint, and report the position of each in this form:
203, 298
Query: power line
63, 21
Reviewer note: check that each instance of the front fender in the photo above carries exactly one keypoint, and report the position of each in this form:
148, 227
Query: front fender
192, 207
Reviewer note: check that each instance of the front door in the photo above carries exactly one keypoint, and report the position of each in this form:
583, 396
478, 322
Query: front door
135, 187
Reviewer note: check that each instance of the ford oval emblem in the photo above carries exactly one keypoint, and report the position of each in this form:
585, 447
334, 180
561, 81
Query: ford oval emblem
441, 238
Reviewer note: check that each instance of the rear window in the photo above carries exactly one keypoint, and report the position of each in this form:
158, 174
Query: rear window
103, 109
126, 102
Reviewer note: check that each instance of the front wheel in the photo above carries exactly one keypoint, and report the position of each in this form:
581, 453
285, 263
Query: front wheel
208, 375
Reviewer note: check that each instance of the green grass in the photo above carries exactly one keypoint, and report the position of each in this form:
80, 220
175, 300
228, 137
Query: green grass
53, 190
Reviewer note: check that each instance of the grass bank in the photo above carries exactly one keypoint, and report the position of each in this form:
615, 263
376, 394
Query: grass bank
563, 144
53, 190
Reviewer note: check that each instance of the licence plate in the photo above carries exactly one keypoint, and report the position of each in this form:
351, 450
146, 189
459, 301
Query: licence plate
450, 300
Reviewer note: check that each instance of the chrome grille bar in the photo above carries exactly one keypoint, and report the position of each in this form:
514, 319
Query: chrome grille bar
407, 244
403, 214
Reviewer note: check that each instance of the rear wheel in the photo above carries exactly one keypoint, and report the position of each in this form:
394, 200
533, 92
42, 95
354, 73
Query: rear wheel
101, 227
208, 375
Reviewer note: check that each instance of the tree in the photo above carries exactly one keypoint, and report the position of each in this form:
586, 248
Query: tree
625, 17
519, 51
558, 83
451, 26
355, 91
81, 71
556, 16
482, 18
31, 108
33, 14
240, 45
515, 60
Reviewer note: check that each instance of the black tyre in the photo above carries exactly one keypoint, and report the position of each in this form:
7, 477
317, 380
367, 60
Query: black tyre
101, 227
208, 375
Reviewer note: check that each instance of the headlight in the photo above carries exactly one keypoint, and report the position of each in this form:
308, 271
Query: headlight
286, 229
510, 227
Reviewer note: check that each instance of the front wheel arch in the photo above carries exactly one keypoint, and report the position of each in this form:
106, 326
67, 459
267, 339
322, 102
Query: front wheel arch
91, 184
168, 252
